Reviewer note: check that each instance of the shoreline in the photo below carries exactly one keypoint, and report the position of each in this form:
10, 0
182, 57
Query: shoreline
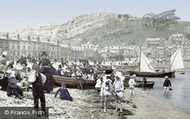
150, 107
86, 105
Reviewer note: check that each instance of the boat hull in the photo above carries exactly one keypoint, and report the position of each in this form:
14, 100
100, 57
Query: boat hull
140, 84
152, 74
71, 82
180, 72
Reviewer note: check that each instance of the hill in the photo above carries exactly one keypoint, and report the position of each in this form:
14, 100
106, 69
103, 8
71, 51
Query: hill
102, 28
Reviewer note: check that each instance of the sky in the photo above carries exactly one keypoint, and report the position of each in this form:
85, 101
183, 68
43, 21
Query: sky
15, 14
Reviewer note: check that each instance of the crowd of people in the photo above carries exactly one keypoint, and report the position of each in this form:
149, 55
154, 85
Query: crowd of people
39, 79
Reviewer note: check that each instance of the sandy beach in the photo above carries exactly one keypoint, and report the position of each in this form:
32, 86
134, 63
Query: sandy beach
87, 105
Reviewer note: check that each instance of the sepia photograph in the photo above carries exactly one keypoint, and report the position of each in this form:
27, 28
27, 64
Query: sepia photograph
101, 59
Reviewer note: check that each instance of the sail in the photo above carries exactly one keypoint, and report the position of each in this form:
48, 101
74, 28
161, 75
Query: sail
145, 64
176, 61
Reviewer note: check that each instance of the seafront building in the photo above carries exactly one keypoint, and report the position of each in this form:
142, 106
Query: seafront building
156, 49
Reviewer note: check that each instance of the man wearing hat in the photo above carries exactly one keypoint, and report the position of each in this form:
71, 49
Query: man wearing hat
45, 69
37, 79
167, 85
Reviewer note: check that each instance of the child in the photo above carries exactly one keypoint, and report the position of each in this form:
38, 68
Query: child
13, 89
106, 91
38, 79
98, 83
25, 84
64, 93
167, 85
119, 91
132, 84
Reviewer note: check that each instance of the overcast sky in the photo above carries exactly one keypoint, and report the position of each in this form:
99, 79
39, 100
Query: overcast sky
15, 14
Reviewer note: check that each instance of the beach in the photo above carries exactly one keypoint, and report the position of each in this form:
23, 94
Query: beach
86, 104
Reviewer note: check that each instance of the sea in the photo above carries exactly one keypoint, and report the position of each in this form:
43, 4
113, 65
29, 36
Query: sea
179, 96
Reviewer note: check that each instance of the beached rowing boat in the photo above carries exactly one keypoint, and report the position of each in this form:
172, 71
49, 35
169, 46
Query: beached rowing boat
141, 84
71, 82
153, 74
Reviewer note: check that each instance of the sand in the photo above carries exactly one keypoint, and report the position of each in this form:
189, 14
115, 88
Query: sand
87, 105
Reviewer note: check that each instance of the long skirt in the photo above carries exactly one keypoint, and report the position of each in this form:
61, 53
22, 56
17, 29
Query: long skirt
48, 85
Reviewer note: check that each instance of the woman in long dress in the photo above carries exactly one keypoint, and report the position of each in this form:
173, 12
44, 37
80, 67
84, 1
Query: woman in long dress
45, 69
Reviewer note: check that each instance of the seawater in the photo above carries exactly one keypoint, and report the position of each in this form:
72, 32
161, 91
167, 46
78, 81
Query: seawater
179, 96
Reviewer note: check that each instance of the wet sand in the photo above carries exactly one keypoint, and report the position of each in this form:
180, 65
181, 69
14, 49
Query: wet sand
87, 105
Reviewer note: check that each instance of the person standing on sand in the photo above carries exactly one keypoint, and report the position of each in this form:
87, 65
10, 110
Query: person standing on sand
119, 91
167, 85
132, 84
106, 91
45, 69
38, 79
79, 80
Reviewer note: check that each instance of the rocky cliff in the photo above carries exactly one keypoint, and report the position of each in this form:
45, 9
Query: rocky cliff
100, 28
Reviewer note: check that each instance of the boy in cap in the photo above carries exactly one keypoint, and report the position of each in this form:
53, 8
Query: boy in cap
167, 85
37, 79
64, 93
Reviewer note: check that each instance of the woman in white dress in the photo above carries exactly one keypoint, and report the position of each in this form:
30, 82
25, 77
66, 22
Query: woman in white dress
106, 91
119, 91
132, 84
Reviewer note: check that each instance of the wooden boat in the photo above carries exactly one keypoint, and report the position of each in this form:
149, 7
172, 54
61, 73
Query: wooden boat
71, 82
149, 84
89, 70
140, 84
179, 72
152, 74
146, 70
108, 71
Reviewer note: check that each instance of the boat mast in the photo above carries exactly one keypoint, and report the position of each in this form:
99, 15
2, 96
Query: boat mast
140, 56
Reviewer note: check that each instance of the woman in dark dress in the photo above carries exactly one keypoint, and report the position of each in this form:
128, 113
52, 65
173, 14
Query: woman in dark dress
45, 69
